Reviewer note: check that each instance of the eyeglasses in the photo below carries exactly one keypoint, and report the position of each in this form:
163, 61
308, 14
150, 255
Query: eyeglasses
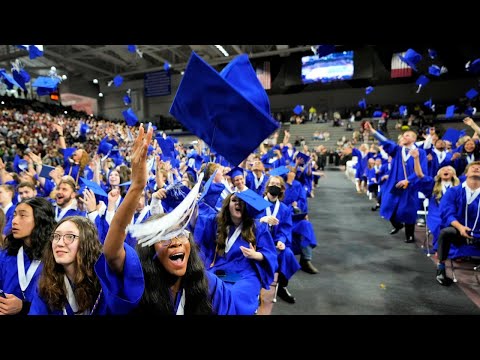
182, 237
67, 238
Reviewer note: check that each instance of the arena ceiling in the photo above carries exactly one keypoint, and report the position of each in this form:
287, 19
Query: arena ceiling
106, 61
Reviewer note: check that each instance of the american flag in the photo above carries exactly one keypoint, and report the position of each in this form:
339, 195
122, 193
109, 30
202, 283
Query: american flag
263, 74
400, 68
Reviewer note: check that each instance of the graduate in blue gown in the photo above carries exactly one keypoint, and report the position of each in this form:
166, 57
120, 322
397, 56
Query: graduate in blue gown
279, 219
399, 195
460, 210
170, 276
68, 284
434, 189
237, 246
20, 259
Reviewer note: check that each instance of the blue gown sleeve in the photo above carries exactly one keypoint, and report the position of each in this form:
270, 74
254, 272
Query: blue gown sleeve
220, 295
38, 307
122, 291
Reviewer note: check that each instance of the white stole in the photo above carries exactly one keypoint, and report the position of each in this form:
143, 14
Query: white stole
59, 215
275, 209
471, 195
445, 186
440, 155
470, 158
71, 298
24, 279
406, 155
181, 306
231, 240
259, 181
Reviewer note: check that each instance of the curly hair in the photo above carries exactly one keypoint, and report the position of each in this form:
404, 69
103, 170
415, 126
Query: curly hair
224, 219
156, 298
51, 285
44, 218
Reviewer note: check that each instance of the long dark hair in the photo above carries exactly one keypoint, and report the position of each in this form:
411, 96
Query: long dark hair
51, 285
44, 218
157, 300
224, 219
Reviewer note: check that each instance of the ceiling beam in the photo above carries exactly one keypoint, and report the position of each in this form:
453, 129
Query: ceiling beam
237, 49
76, 62
222, 60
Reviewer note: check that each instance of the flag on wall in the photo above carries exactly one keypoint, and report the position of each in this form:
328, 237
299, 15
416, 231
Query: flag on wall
400, 68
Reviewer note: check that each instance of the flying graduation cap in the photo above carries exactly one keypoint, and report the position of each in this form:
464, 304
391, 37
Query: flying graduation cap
298, 109
421, 82
223, 108
130, 117
472, 93
411, 58
362, 104
46, 84
368, 90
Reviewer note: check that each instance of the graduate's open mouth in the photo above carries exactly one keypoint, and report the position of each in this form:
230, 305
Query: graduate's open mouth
177, 257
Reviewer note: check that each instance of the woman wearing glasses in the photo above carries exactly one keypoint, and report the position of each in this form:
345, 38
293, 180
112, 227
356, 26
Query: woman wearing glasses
68, 284
20, 259
166, 278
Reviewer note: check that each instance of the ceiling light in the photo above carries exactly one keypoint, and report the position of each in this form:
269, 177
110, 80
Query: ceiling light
222, 50
100, 94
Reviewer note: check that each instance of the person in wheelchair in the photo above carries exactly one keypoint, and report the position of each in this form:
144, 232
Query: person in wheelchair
460, 210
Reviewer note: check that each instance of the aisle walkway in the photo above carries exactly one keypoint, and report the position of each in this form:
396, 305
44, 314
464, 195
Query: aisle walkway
363, 269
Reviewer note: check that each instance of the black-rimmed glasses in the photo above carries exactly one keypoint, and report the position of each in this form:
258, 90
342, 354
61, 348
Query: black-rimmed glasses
67, 238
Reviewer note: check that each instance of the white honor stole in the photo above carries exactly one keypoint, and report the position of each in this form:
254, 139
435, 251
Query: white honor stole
259, 181
141, 215
231, 240
71, 298
275, 209
24, 279
181, 306
59, 215
471, 195
440, 155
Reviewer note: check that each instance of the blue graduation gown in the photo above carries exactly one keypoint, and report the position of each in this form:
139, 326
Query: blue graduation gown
452, 207
8, 220
254, 274
400, 205
296, 192
434, 219
287, 263
250, 182
9, 276
123, 292
40, 307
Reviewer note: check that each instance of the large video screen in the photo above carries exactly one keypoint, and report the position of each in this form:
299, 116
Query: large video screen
333, 67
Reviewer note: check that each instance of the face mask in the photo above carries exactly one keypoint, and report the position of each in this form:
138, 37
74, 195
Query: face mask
274, 190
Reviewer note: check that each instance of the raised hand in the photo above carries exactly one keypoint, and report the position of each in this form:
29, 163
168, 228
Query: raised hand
139, 157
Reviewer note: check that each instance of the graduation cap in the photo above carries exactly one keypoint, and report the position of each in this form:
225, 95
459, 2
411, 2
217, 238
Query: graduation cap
368, 90
175, 194
411, 58
279, 171
150, 150
34, 51
453, 135
471, 93
377, 113
236, 171
132, 48
166, 66
46, 84
84, 128
8, 79
450, 111
298, 109
97, 189
167, 145
127, 100
473, 66
422, 81
429, 104
255, 203
68, 152
130, 117
403, 110
117, 81
222, 108
434, 70
362, 104
432, 53
305, 157
21, 77
104, 147
470, 111
323, 50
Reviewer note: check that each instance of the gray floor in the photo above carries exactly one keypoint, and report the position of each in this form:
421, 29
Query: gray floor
363, 269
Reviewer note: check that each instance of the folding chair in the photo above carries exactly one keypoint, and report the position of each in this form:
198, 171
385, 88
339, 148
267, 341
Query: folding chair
424, 212
471, 251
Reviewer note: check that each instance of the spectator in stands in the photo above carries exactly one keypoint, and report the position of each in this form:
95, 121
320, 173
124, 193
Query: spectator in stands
166, 278
32, 225
460, 212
